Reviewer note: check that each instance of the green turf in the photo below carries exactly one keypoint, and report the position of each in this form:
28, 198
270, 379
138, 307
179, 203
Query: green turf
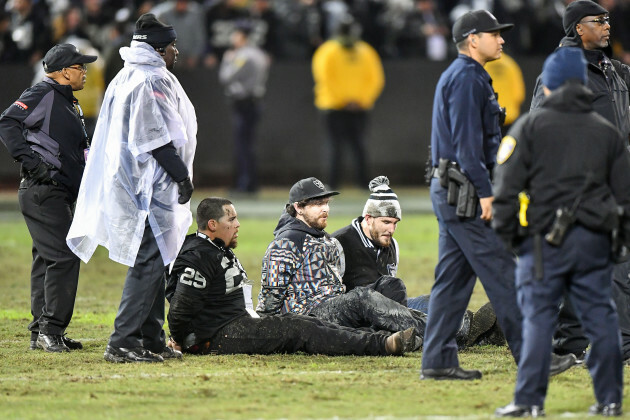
81, 385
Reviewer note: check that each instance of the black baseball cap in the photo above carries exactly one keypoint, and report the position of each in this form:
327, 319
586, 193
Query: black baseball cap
308, 188
475, 22
64, 55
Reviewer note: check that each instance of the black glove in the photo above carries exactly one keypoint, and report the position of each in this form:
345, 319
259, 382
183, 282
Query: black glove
186, 188
40, 173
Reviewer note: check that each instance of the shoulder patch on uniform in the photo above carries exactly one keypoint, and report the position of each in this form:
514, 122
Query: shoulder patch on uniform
21, 105
505, 149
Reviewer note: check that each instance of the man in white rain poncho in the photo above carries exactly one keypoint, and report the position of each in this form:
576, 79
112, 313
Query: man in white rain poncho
135, 192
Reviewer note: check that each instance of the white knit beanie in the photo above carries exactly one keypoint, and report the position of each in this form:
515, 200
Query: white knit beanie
383, 202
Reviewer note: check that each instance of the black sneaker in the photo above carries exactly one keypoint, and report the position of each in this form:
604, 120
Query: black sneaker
606, 410
134, 355
71, 344
33, 345
169, 353
52, 343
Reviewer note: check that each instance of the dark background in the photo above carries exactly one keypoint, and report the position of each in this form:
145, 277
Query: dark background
291, 138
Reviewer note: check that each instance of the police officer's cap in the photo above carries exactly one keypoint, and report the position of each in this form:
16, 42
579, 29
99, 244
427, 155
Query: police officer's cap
64, 55
309, 188
475, 22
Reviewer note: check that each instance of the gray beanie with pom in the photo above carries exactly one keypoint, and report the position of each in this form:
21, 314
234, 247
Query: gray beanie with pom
383, 202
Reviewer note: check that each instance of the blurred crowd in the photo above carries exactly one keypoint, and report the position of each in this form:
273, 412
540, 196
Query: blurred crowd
286, 29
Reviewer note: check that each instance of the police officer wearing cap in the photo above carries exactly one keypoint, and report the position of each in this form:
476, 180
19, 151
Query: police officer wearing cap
574, 165
465, 136
44, 131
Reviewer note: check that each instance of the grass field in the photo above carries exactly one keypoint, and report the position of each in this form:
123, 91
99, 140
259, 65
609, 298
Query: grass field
81, 385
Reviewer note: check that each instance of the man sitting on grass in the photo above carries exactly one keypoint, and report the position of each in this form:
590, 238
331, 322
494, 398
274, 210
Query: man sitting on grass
371, 260
208, 313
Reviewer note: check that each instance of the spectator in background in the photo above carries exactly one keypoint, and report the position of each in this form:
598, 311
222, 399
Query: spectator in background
8, 48
30, 32
619, 16
424, 33
221, 17
98, 22
243, 73
266, 27
348, 78
509, 86
187, 19
548, 16
301, 27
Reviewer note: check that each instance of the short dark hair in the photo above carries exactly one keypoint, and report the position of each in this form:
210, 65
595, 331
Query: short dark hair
210, 208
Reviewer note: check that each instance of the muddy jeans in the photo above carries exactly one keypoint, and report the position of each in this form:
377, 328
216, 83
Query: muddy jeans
364, 307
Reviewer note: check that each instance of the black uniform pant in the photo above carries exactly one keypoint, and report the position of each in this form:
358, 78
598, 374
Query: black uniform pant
141, 312
48, 211
468, 248
346, 127
246, 114
290, 333
363, 307
569, 336
581, 267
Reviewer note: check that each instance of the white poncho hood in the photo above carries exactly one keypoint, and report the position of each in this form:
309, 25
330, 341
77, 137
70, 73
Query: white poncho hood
144, 108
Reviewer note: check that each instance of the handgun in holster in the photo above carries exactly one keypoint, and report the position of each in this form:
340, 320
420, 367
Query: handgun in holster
460, 191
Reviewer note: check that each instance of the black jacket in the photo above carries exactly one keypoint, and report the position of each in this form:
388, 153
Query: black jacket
44, 122
204, 289
563, 153
365, 262
608, 79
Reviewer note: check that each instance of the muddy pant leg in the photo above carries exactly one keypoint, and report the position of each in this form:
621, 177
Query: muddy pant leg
290, 333
363, 307
391, 287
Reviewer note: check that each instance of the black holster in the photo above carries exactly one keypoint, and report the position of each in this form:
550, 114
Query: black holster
460, 191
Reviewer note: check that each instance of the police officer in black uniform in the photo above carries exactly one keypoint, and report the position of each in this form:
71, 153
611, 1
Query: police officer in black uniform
574, 165
465, 136
44, 131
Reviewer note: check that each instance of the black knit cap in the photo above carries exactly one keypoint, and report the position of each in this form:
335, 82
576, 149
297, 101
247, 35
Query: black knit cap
155, 33
576, 11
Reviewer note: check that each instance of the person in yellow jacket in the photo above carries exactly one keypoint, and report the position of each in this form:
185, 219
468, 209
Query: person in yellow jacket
348, 78
507, 80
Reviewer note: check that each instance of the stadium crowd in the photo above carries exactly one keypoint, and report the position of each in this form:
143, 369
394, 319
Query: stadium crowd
286, 29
